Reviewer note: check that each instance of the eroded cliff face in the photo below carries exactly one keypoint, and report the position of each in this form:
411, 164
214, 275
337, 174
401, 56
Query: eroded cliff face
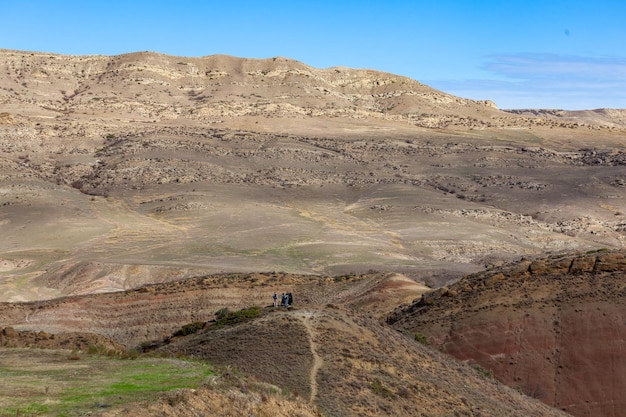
553, 328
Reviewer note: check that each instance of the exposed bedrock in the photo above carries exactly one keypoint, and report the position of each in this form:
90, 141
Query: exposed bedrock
553, 328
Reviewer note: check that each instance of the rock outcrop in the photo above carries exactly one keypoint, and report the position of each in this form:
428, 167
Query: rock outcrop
552, 327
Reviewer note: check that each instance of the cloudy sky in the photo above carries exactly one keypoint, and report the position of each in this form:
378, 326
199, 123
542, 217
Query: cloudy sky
520, 54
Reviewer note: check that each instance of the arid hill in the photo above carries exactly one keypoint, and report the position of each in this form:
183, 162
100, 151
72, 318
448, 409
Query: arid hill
143, 168
157, 311
275, 93
553, 327
607, 117
328, 349
143, 193
350, 365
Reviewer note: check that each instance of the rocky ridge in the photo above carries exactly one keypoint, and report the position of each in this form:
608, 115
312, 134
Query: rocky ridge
148, 87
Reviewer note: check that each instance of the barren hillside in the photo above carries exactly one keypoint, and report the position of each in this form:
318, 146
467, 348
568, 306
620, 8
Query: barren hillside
607, 117
554, 327
143, 193
328, 349
156, 311
350, 365
141, 168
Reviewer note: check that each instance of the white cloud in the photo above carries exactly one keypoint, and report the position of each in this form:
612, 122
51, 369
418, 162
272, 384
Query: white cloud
548, 66
546, 81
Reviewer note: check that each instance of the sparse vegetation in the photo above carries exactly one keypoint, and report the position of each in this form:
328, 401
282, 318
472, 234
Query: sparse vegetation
74, 355
190, 189
236, 317
590, 252
487, 373
420, 338
534, 391
101, 350
222, 312
190, 328
78, 184
381, 389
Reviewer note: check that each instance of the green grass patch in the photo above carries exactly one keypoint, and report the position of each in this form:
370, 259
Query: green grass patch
65, 388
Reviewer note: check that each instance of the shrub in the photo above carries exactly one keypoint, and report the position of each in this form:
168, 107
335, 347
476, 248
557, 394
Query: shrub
238, 316
190, 328
596, 251
534, 391
380, 389
487, 373
77, 184
97, 350
74, 356
130, 354
420, 338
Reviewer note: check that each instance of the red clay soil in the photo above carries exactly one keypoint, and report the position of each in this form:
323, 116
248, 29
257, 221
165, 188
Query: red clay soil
552, 328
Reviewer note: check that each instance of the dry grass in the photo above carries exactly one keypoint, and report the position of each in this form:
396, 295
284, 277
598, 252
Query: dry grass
349, 365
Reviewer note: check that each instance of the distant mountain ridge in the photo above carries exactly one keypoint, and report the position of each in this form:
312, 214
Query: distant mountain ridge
234, 86
152, 87
140, 143
604, 116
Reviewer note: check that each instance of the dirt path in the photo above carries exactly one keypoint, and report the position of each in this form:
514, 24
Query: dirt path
308, 317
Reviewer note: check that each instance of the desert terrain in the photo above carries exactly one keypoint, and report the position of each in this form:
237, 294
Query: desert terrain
140, 193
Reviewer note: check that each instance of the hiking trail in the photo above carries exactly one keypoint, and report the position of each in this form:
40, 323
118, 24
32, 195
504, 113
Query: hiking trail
307, 318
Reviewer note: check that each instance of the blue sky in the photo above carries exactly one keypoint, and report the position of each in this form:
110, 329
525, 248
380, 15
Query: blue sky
520, 54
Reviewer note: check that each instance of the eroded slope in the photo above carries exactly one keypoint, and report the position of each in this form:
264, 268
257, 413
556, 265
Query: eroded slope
140, 168
552, 327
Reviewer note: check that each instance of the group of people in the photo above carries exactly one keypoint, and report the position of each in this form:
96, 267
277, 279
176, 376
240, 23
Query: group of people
286, 299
